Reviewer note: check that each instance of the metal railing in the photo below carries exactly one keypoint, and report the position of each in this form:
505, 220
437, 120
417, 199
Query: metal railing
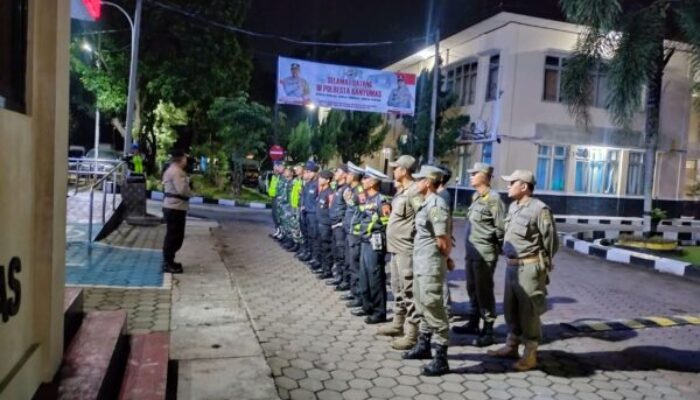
114, 173
89, 168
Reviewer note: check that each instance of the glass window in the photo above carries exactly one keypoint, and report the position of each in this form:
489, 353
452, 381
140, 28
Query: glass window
461, 80
492, 84
13, 54
597, 170
552, 78
551, 168
486, 149
635, 174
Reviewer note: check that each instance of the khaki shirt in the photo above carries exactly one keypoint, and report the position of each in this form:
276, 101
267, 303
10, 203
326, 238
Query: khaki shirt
402, 221
431, 222
530, 231
175, 181
485, 226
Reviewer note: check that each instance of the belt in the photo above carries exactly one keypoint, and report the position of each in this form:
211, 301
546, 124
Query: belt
177, 196
514, 262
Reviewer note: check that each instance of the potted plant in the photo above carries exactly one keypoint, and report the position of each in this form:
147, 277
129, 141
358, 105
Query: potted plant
657, 215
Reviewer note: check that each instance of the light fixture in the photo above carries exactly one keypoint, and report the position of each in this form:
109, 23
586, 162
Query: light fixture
86, 47
311, 106
426, 53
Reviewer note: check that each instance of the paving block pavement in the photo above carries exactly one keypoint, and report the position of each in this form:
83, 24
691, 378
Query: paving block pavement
317, 350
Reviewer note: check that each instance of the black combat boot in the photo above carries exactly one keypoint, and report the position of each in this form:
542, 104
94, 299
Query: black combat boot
439, 365
421, 351
471, 328
485, 336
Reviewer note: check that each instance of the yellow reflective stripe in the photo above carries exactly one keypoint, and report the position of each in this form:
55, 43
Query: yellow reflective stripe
661, 321
632, 324
690, 318
598, 326
372, 222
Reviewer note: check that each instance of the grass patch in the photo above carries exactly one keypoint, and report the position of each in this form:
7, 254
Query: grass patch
202, 188
690, 254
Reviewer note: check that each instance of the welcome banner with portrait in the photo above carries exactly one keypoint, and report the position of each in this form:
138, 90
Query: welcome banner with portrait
342, 87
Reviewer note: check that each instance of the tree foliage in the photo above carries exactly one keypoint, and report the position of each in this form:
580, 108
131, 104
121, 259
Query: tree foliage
447, 126
360, 134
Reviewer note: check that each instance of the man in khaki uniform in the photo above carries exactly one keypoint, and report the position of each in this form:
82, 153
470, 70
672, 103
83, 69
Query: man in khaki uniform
484, 240
399, 240
431, 251
176, 186
529, 245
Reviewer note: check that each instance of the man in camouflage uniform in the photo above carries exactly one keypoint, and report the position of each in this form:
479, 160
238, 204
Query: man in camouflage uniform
484, 240
431, 251
296, 188
273, 193
283, 203
530, 242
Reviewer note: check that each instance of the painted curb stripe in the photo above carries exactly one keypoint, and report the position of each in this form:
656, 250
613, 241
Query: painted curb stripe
636, 323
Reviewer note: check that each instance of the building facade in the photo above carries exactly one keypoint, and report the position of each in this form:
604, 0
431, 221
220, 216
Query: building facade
34, 39
506, 72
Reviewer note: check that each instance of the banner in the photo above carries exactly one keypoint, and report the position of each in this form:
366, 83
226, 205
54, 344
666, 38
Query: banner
341, 87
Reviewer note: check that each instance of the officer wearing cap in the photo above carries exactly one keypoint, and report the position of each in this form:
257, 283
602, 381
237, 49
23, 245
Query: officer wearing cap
400, 97
400, 232
325, 233
308, 208
374, 215
295, 85
431, 252
337, 214
176, 186
354, 195
484, 240
530, 242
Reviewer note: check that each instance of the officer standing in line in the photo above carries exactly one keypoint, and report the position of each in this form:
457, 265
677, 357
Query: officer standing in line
325, 233
176, 186
285, 208
484, 240
374, 215
400, 232
354, 196
295, 187
445, 194
273, 193
431, 261
530, 242
337, 214
308, 208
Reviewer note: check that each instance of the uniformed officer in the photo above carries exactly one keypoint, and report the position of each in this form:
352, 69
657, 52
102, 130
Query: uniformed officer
296, 187
530, 242
295, 85
400, 97
484, 240
325, 232
374, 215
290, 242
272, 192
337, 214
308, 209
283, 203
176, 186
400, 232
354, 195
431, 251
445, 194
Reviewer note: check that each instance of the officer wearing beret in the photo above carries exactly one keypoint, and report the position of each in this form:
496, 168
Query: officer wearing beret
325, 234
530, 242
484, 240
431, 251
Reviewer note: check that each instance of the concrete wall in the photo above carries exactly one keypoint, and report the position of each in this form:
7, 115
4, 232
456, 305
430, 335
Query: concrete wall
32, 204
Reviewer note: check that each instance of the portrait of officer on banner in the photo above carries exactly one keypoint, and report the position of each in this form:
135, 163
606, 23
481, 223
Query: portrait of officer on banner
295, 86
400, 97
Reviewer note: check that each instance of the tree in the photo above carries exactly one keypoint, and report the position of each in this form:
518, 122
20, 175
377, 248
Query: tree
242, 128
634, 38
299, 147
360, 134
448, 123
324, 141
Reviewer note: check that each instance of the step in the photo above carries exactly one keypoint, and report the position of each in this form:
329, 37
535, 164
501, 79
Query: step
147, 367
72, 314
93, 363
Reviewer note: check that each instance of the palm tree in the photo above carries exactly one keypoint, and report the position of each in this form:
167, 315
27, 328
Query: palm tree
630, 40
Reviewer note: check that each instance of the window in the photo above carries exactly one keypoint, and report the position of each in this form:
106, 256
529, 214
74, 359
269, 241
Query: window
13, 53
635, 174
486, 150
553, 68
551, 168
492, 85
461, 80
597, 170
692, 178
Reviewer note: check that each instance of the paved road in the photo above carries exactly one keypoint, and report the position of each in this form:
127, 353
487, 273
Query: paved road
318, 350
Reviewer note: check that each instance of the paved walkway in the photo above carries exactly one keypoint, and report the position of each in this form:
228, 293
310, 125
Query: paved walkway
316, 349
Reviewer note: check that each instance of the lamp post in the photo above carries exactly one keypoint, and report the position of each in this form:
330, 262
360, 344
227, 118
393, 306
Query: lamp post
96, 149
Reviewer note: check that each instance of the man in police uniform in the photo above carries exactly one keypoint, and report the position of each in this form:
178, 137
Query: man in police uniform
400, 97
400, 232
374, 215
530, 242
308, 208
337, 214
354, 195
484, 240
325, 233
431, 252
295, 85
176, 186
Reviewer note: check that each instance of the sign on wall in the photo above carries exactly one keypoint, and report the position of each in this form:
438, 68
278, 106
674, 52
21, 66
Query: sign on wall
342, 87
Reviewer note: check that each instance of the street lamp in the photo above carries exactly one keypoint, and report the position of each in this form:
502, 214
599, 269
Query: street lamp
87, 47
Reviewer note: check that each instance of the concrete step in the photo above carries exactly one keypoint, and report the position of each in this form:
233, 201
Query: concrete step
94, 362
147, 367
72, 314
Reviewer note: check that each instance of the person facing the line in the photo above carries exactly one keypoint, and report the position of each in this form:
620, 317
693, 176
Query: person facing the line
176, 186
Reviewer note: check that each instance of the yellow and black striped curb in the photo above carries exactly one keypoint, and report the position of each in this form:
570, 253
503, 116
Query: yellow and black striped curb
636, 323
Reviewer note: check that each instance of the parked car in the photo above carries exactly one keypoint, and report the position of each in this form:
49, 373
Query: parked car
74, 153
104, 157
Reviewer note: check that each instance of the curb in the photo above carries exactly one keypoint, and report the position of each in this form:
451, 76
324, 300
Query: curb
575, 242
158, 196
